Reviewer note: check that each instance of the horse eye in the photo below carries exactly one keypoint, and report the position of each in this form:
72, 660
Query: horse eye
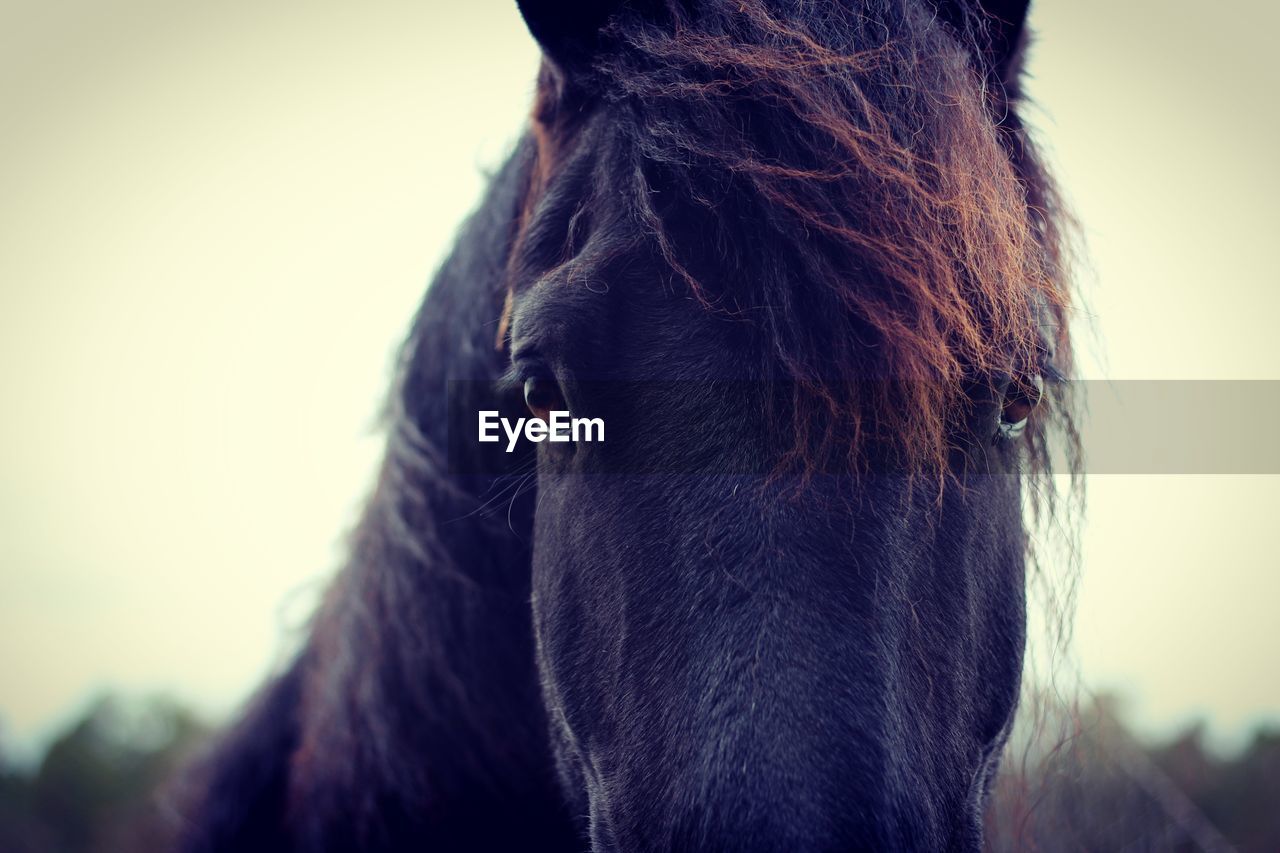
542, 395
1022, 397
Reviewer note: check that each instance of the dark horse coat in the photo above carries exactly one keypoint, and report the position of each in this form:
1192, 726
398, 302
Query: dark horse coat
800, 258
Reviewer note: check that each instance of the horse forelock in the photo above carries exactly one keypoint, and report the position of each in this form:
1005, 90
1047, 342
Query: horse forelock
868, 152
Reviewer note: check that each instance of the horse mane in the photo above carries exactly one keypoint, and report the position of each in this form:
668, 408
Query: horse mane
872, 198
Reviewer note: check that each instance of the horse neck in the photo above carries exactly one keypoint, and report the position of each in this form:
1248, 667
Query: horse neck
421, 701
423, 692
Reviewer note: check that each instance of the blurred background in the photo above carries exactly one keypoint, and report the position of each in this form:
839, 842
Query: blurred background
216, 221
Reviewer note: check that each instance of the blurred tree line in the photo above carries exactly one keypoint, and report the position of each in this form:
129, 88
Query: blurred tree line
96, 787
1071, 780
1078, 779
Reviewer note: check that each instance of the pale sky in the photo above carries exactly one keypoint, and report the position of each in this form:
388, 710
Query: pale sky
216, 221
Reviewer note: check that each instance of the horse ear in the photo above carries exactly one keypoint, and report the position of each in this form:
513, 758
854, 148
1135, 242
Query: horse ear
1000, 29
568, 30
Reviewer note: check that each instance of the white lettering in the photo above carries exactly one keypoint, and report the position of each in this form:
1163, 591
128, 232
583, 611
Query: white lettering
588, 424
513, 433
488, 421
558, 427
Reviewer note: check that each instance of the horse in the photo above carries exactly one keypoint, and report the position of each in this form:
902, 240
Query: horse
804, 261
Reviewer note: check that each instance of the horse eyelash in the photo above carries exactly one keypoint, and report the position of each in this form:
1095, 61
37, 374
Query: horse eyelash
511, 380
524, 366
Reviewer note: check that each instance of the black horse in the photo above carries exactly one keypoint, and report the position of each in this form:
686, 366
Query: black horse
802, 260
